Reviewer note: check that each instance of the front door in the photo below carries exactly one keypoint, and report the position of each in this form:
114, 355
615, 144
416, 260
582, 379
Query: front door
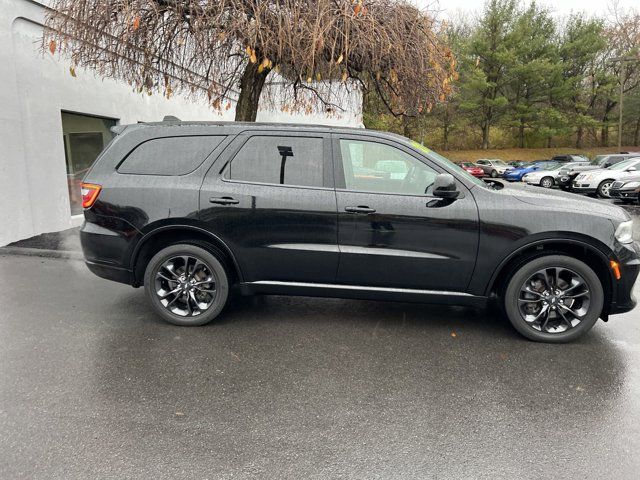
272, 202
391, 231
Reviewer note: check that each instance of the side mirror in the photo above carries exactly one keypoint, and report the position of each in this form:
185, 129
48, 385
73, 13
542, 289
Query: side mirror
445, 187
631, 169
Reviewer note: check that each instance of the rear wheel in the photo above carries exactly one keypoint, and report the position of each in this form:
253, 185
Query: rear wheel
186, 285
547, 182
604, 188
554, 299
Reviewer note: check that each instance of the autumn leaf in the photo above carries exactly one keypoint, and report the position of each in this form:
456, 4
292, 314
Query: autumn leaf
340, 58
318, 76
260, 68
252, 57
72, 71
344, 76
228, 106
358, 7
308, 79
216, 104
52, 46
136, 23
453, 334
477, 61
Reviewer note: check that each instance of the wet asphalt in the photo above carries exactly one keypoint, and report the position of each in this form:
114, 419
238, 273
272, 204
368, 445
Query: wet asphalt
93, 385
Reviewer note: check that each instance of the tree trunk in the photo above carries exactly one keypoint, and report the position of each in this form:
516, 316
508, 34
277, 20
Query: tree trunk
521, 133
579, 137
636, 133
251, 86
604, 133
445, 136
485, 134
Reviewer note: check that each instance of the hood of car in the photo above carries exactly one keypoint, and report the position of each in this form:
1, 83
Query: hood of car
523, 170
566, 201
543, 173
604, 174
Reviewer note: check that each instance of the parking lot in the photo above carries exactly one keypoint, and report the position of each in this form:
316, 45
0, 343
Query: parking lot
94, 385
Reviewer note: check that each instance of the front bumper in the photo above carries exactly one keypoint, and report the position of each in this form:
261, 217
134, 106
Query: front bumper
583, 187
628, 194
623, 299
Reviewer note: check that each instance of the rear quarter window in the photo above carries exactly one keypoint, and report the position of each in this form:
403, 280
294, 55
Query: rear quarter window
169, 155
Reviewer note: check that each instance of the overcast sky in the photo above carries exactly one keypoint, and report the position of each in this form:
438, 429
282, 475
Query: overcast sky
560, 7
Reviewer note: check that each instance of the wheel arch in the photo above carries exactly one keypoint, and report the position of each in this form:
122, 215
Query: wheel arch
166, 235
595, 256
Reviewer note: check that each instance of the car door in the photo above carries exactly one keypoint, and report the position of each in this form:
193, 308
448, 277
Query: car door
271, 200
392, 234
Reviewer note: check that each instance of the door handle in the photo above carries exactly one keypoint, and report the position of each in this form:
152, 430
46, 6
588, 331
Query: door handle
360, 209
224, 200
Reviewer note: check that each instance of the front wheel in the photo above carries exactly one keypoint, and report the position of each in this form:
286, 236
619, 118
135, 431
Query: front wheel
547, 182
554, 299
186, 285
494, 174
604, 189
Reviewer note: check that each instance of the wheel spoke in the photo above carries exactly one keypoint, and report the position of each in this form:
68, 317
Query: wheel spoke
206, 290
186, 265
575, 314
173, 274
172, 280
578, 295
565, 319
527, 300
165, 295
528, 289
188, 302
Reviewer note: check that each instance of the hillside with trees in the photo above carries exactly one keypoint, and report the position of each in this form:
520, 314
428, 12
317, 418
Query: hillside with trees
528, 79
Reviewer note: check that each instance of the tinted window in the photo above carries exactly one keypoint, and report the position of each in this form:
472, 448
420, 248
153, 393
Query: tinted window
279, 160
169, 156
376, 167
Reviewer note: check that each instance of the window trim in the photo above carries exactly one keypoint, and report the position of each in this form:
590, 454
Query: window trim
204, 160
244, 137
340, 181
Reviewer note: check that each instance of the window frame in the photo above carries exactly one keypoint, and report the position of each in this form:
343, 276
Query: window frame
338, 169
151, 139
242, 138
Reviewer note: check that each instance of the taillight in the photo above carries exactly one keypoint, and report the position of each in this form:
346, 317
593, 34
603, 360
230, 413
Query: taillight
89, 194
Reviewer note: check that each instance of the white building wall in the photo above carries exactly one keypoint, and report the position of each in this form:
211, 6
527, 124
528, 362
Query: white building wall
36, 88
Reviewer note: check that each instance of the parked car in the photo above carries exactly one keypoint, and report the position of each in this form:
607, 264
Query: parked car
566, 177
627, 190
518, 163
599, 181
516, 174
472, 169
546, 175
493, 167
190, 210
572, 157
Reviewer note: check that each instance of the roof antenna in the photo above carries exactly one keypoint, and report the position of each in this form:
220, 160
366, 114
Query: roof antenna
170, 118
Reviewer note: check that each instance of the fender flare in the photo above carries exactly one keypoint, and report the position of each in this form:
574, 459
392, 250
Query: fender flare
217, 241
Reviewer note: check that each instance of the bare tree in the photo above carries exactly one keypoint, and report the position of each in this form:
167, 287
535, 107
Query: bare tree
224, 46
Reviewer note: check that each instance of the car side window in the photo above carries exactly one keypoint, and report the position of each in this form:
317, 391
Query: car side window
169, 155
481, 162
377, 167
279, 160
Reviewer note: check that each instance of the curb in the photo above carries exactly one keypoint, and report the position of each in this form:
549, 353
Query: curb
41, 252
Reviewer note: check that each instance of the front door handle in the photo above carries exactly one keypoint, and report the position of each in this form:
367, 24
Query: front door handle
360, 209
224, 200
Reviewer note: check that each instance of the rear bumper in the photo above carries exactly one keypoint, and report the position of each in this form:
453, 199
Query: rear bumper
630, 194
110, 272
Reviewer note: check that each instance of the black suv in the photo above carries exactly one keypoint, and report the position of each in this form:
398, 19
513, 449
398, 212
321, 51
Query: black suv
191, 209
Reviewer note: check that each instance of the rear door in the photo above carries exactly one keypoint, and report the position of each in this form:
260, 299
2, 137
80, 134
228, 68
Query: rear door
271, 200
392, 231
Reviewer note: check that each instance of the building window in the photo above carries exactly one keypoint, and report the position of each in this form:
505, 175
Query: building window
84, 138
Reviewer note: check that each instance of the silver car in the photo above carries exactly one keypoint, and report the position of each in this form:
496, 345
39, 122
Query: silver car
493, 167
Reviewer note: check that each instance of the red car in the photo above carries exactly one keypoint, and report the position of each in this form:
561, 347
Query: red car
472, 169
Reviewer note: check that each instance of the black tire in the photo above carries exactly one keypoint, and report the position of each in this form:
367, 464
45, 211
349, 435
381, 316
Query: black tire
528, 269
604, 187
494, 174
218, 274
547, 182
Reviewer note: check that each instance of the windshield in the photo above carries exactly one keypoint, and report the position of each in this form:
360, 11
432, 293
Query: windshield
499, 163
623, 165
445, 161
550, 166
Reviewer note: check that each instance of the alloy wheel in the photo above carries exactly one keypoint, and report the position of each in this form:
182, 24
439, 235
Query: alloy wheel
185, 285
554, 300
605, 189
547, 182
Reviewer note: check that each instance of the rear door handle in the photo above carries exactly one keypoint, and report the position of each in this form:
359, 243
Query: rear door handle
224, 200
360, 209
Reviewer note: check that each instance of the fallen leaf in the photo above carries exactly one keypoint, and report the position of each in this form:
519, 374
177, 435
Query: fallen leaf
136, 23
453, 334
72, 71
340, 58
52, 46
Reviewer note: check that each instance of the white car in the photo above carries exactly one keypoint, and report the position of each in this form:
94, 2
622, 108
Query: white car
545, 176
599, 181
